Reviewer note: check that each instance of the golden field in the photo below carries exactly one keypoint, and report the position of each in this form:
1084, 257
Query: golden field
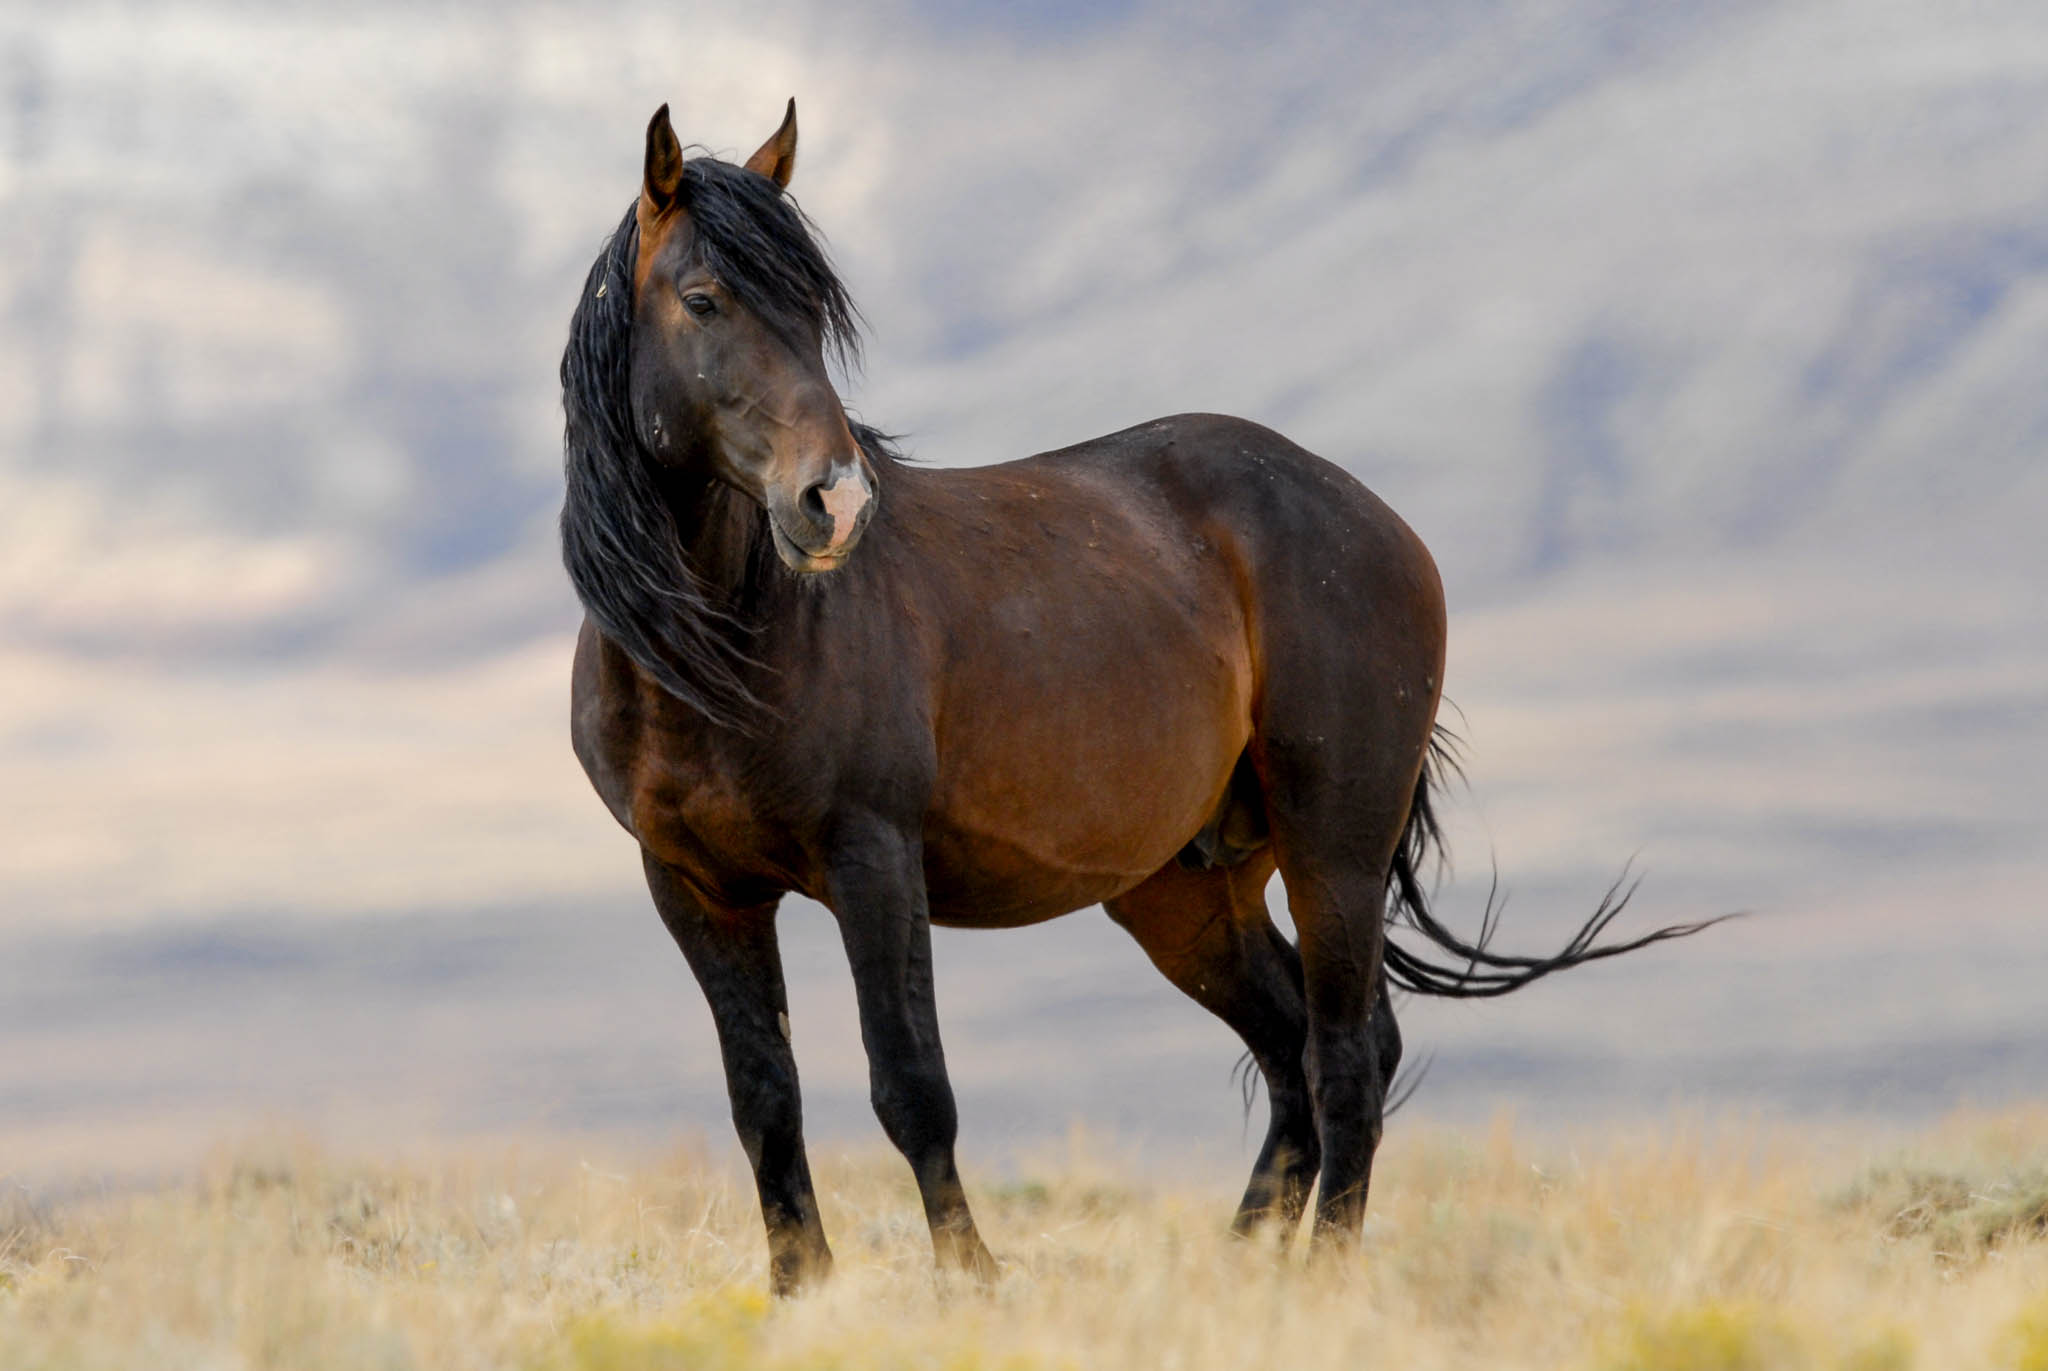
1651, 1247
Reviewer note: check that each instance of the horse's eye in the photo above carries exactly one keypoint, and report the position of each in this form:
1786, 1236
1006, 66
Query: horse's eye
700, 305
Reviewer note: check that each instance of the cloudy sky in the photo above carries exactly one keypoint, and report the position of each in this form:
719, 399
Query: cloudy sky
1703, 343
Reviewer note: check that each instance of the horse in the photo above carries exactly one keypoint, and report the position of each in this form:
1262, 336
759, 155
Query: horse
1144, 672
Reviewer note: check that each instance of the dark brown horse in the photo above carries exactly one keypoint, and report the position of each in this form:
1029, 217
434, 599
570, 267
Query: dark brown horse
1145, 672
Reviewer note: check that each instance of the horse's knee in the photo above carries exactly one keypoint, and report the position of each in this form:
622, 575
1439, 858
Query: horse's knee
916, 1109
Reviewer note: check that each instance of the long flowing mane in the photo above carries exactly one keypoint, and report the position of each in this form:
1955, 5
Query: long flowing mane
621, 541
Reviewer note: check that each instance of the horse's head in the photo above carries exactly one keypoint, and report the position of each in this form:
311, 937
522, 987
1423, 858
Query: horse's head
733, 308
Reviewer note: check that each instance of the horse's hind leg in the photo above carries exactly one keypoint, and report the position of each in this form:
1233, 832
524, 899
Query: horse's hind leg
1335, 827
1208, 932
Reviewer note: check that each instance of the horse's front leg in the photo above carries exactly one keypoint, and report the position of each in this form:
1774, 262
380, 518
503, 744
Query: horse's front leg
876, 888
737, 962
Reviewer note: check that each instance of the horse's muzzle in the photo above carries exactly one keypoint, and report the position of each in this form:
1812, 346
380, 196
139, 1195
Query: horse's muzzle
818, 530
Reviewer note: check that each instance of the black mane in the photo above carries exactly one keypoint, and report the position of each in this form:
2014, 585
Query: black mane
620, 540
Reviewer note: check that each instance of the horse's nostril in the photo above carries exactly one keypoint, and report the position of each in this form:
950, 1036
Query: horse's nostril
830, 512
811, 504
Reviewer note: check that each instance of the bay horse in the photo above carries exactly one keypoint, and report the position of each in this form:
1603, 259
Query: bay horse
1147, 672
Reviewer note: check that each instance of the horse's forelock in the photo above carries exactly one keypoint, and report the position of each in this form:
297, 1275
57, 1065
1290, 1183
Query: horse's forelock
758, 242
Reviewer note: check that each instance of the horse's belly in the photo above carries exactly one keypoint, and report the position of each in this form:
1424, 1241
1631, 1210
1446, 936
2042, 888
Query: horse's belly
1060, 797
1037, 863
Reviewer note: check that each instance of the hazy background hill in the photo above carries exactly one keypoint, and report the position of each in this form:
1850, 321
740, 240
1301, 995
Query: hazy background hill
1703, 343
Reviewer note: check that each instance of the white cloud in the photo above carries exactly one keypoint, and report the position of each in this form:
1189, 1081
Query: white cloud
75, 562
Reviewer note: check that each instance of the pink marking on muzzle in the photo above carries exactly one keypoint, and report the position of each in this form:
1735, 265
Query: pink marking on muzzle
844, 499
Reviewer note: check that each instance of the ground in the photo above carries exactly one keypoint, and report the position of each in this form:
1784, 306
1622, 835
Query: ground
1670, 1246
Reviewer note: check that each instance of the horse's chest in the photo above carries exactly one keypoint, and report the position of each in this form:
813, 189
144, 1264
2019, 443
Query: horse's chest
668, 787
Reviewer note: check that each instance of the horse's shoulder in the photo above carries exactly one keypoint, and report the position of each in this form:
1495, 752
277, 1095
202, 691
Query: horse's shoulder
673, 779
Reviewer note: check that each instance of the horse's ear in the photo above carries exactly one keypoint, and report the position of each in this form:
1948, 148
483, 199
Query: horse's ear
776, 158
663, 182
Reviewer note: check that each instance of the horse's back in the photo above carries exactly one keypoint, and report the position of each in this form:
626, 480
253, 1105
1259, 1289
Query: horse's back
1315, 551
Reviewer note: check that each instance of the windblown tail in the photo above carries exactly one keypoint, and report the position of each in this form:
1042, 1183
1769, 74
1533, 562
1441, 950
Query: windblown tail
1485, 972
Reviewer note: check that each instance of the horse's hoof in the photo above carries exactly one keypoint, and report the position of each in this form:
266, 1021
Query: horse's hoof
970, 1257
794, 1273
982, 1265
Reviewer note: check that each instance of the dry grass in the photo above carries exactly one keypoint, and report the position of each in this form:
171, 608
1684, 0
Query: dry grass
1659, 1251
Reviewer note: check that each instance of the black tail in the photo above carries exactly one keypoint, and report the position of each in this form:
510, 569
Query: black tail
1485, 972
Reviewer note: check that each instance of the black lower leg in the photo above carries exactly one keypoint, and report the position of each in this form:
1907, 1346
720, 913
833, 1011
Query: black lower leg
918, 1115
1344, 1078
1275, 1028
737, 962
1287, 1163
1351, 1035
878, 895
